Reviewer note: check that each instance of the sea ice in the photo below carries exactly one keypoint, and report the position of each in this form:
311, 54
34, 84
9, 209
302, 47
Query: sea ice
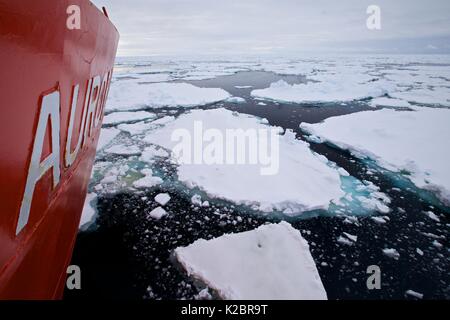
270, 262
389, 102
304, 180
106, 136
120, 117
391, 253
162, 198
157, 213
331, 91
129, 95
410, 142
123, 150
88, 211
148, 180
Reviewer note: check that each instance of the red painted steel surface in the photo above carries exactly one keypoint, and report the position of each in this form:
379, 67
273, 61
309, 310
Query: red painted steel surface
38, 55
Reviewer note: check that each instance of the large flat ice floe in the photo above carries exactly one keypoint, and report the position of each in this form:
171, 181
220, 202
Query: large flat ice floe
271, 262
412, 141
331, 89
130, 95
303, 182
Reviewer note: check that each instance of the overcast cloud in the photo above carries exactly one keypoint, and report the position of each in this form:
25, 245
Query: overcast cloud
187, 27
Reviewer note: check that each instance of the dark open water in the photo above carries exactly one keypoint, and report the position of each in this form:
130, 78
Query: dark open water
129, 256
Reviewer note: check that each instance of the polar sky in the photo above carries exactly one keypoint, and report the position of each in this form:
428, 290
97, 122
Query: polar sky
221, 27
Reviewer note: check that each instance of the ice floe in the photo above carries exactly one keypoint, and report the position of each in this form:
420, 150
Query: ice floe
389, 102
129, 95
120, 117
106, 136
236, 266
157, 213
162, 198
304, 181
88, 211
330, 91
148, 181
407, 142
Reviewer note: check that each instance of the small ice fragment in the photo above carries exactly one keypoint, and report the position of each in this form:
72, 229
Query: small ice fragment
196, 200
432, 216
162, 198
351, 237
391, 253
345, 241
414, 294
378, 219
158, 213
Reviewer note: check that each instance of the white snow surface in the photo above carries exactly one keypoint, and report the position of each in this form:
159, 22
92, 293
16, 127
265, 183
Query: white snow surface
270, 262
120, 117
130, 95
304, 180
389, 102
157, 213
331, 90
106, 136
415, 141
148, 180
162, 198
88, 211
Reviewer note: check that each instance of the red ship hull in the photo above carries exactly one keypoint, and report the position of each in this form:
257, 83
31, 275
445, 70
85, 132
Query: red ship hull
53, 87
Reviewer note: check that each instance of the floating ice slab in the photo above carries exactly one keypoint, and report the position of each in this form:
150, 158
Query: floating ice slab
389, 102
120, 117
162, 198
88, 211
434, 96
411, 141
157, 213
304, 181
271, 262
136, 128
148, 181
130, 95
106, 136
123, 150
330, 91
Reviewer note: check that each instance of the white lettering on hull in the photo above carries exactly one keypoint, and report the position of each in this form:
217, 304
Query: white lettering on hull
93, 107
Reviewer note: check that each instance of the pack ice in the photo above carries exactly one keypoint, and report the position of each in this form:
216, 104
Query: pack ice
303, 182
413, 142
130, 95
270, 262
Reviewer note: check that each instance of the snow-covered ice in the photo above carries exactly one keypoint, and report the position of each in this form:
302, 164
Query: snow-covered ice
120, 117
148, 181
304, 181
106, 136
270, 262
151, 153
339, 89
389, 102
136, 128
129, 95
391, 253
162, 198
88, 211
157, 213
123, 150
400, 141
